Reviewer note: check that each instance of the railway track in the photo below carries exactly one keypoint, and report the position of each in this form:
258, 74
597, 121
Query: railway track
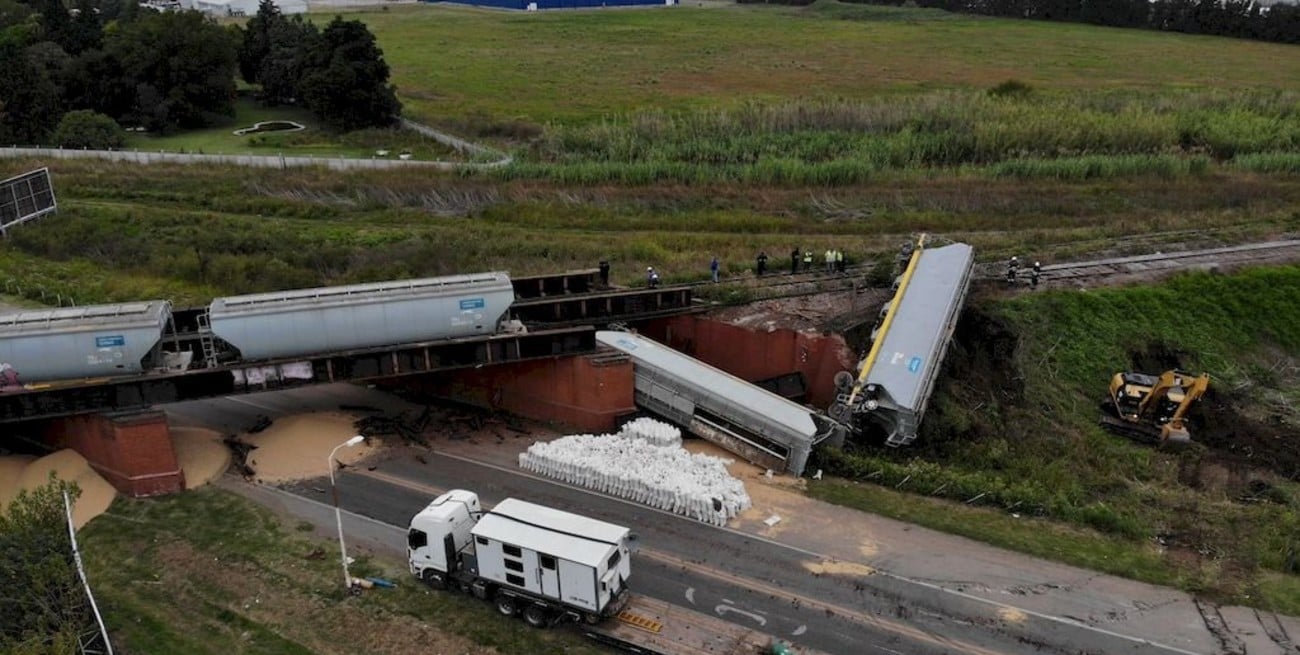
1092, 272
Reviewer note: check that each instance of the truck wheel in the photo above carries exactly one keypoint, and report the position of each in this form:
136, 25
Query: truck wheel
590, 618
537, 616
505, 605
434, 579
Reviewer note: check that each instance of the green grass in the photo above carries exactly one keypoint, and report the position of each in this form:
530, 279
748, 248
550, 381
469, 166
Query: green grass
454, 64
1079, 547
313, 141
169, 579
125, 232
838, 94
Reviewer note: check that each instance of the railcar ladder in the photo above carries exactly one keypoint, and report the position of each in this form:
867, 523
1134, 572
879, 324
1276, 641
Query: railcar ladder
207, 340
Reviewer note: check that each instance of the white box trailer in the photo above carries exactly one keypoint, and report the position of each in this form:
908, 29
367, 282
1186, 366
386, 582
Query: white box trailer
550, 565
527, 558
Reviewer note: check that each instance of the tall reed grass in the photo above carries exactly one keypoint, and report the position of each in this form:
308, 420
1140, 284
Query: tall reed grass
840, 142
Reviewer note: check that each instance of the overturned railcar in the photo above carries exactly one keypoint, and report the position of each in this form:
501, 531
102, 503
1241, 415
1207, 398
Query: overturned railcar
895, 380
750, 421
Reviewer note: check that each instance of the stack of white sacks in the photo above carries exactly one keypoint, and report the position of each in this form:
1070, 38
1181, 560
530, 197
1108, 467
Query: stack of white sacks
645, 463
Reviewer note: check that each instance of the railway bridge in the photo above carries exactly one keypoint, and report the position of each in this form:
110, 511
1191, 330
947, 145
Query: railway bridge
544, 365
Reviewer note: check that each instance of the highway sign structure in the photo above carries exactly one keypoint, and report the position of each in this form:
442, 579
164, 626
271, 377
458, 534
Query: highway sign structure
25, 197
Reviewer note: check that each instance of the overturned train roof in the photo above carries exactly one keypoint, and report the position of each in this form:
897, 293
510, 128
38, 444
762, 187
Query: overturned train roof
753, 422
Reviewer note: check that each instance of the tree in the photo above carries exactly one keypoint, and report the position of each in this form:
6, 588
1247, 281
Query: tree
43, 607
181, 66
32, 98
95, 81
84, 128
56, 21
345, 82
257, 39
281, 70
86, 31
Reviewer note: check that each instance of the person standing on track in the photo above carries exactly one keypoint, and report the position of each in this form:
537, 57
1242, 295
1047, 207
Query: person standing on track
839, 261
652, 277
762, 263
713, 268
794, 261
604, 273
807, 260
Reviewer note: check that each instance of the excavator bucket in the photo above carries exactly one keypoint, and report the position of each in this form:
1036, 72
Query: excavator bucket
1172, 436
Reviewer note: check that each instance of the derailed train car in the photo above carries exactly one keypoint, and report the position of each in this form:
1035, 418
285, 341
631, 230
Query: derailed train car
98, 341
746, 419
895, 380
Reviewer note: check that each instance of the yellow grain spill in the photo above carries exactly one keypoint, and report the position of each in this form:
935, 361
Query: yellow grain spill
1011, 615
200, 455
96, 493
296, 447
836, 567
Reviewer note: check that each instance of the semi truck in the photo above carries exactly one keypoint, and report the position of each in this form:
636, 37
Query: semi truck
552, 567
525, 558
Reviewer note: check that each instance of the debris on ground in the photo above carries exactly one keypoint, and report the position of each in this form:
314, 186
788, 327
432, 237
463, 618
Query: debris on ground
260, 423
410, 426
239, 450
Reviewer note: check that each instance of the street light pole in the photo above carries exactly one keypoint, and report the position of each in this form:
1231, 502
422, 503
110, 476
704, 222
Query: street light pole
338, 516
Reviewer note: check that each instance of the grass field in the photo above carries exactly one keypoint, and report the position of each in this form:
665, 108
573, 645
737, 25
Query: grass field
220, 139
453, 63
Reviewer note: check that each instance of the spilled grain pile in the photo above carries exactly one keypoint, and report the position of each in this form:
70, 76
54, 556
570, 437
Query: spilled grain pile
200, 455
296, 447
96, 493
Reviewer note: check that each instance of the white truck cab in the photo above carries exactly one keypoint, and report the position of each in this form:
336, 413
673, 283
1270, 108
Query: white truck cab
439, 533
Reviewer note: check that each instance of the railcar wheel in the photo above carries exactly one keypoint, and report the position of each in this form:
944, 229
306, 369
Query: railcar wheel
843, 381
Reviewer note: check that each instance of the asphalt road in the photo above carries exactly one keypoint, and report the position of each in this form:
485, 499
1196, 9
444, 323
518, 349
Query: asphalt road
742, 579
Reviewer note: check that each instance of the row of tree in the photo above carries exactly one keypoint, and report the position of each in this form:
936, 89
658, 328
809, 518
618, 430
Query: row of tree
339, 73
176, 70
1244, 19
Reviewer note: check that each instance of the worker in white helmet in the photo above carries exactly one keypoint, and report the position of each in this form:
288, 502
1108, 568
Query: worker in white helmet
652, 276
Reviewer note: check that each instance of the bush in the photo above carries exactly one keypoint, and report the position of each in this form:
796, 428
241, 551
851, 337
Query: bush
88, 129
1011, 89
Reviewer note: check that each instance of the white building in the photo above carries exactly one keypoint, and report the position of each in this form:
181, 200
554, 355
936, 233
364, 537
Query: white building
242, 7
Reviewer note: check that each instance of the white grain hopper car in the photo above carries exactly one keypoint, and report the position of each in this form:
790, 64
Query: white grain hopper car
527, 559
339, 319
746, 419
45, 345
39, 345
895, 380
